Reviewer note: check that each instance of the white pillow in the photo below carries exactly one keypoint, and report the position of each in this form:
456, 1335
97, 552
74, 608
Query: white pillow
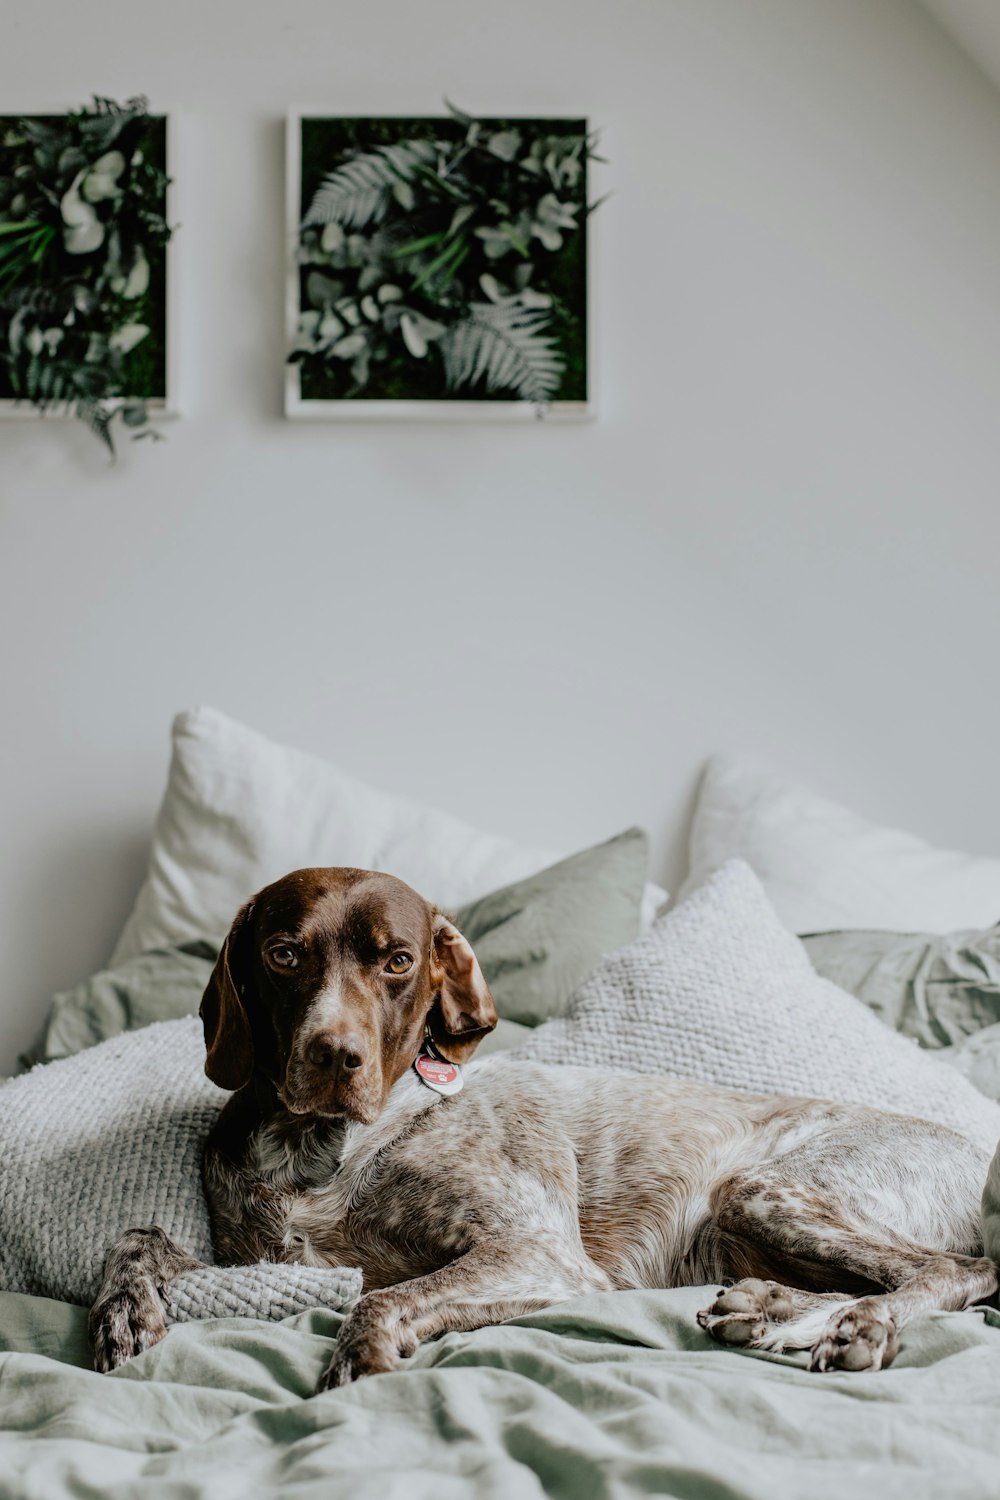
824, 867
240, 811
718, 990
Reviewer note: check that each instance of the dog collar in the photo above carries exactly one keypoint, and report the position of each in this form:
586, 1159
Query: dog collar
436, 1072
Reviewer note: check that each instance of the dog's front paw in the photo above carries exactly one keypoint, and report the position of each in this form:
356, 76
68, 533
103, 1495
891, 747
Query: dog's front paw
365, 1356
123, 1324
367, 1345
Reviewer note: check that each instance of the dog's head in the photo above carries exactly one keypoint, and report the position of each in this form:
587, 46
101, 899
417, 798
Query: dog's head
327, 984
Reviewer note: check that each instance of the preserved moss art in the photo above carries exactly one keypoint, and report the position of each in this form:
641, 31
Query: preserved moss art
443, 259
83, 236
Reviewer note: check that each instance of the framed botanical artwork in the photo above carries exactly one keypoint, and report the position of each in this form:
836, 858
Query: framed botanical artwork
86, 303
438, 266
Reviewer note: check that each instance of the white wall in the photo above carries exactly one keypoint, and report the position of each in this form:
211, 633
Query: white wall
781, 536
975, 26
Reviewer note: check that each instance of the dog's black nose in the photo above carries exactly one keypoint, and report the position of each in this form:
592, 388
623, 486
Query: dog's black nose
334, 1055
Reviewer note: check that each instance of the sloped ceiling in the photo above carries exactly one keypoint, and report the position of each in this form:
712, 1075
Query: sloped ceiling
975, 26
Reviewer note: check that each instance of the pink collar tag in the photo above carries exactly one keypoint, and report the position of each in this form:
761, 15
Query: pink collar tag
441, 1076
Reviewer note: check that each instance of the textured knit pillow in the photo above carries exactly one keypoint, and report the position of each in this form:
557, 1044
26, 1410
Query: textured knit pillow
719, 990
824, 867
112, 1139
240, 811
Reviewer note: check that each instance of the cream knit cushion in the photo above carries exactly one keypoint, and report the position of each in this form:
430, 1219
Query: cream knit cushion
719, 990
109, 1140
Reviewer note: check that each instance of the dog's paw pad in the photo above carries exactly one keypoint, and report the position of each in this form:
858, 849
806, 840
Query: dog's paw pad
862, 1337
741, 1313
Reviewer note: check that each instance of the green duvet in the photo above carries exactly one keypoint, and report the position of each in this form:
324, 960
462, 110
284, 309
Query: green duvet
610, 1396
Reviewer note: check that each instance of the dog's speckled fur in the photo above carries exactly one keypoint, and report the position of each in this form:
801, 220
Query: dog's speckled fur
837, 1223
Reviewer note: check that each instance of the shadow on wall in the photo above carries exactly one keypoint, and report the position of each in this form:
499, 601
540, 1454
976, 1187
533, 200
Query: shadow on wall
260, 366
68, 906
674, 837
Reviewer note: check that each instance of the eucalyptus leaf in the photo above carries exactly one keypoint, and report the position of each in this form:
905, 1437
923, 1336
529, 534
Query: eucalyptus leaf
404, 195
136, 283
349, 347
505, 144
369, 277
418, 332
360, 367
84, 239
332, 238
412, 337
330, 328
348, 310
460, 217
323, 291
101, 181
75, 212
125, 338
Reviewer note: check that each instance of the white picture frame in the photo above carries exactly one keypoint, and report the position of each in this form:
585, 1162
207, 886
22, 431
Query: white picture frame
167, 406
298, 408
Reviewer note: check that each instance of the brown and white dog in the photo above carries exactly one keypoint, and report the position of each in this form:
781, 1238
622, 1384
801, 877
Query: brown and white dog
533, 1184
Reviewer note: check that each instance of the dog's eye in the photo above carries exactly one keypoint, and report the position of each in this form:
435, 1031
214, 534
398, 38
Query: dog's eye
283, 956
399, 963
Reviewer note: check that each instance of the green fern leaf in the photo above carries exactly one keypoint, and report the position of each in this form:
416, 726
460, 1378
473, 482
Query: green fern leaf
360, 191
504, 345
98, 417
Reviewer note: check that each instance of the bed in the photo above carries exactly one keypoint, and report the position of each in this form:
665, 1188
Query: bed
614, 1395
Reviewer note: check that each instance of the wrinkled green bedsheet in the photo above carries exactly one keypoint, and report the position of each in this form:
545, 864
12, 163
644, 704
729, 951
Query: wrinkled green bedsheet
609, 1396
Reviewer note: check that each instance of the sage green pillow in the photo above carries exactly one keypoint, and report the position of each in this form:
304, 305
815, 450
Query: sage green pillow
161, 985
537, 940
938, 990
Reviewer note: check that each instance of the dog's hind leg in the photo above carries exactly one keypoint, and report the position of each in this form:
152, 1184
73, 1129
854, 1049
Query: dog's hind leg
780, 1227
863, 1334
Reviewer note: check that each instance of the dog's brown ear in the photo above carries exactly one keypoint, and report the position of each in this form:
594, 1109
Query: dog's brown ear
463, 1012
228, 1038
